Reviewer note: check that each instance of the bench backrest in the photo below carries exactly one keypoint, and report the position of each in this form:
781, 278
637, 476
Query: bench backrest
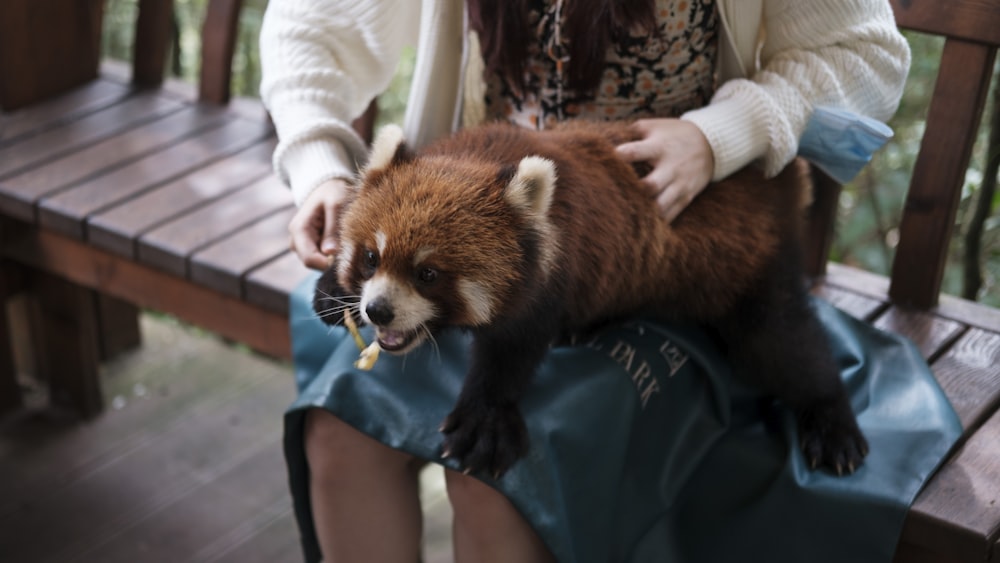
218, 42
972, 33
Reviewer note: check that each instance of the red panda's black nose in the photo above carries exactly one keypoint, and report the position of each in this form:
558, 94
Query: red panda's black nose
379, 311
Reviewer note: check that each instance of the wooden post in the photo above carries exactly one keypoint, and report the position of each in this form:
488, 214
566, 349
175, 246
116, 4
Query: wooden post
218, 42
10, 392
119, 325
47, 47
65, 330
152, 39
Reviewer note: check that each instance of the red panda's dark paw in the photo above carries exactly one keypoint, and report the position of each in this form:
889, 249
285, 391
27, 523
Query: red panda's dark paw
830, 437
485, 438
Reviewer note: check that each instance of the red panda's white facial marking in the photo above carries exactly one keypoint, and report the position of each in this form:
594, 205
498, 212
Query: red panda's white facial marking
380, 241
478, 300
346, 254
421, 255
397, 311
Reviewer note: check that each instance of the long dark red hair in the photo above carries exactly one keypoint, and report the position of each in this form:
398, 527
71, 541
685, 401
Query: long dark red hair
590, 27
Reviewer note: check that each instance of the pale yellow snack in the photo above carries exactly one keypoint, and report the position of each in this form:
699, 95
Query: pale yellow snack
369, 353
368, 357
352, 327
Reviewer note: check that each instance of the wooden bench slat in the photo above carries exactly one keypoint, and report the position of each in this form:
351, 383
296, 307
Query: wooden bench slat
83, 264
71, 105
931, 202
968, 312
19, 194
67, 211
875, 286
932, 335
956, 513
977, 21
270, 285
858, 306
969, 373
223, 265
117, 229
169, 246
93, 128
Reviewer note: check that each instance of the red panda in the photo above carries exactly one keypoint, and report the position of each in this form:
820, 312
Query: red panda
525, 237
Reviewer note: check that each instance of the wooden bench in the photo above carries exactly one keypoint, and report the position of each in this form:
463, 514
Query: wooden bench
123, 194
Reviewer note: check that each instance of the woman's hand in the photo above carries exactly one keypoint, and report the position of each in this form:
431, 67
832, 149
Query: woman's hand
681, 158
313, 229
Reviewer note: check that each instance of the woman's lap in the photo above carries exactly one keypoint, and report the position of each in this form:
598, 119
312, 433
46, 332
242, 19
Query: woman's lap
642, 444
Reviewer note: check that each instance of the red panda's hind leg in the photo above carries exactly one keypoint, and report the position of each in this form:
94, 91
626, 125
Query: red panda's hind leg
776, 342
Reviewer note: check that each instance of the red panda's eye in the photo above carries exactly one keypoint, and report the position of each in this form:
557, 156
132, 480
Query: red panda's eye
427, 275
371, 259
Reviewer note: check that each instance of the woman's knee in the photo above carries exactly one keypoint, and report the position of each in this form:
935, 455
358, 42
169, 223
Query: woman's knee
471, 496
335, 448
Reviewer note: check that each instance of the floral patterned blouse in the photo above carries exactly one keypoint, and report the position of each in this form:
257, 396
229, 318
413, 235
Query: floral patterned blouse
660, 75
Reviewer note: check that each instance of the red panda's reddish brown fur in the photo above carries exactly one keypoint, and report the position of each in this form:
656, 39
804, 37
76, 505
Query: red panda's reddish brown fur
612, 244
524, 237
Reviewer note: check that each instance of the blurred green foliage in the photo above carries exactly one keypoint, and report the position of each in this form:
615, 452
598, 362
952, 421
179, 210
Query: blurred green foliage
870, 206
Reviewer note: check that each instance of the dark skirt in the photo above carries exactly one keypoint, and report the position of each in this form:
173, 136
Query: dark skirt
643, 446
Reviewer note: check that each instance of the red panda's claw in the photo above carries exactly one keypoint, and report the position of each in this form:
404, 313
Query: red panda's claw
832, 439
488, 439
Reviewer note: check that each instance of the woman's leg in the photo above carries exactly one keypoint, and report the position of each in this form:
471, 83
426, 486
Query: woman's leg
364, 495
487, 527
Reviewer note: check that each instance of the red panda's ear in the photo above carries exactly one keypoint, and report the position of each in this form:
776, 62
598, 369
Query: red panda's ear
530, 190
389, 147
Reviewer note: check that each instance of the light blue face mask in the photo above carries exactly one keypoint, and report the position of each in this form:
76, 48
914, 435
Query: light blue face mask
840, 142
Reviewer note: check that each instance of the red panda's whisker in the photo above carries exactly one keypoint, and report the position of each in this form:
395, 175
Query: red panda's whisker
335, 310
430, 336
346, 299
317, 315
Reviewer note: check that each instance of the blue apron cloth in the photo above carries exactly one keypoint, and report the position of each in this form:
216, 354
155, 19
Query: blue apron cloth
645, 448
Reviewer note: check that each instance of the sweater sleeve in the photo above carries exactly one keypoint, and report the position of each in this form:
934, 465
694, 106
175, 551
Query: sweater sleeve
322, 62
843, 53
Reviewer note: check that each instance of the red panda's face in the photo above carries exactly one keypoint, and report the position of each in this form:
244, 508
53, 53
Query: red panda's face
431, 242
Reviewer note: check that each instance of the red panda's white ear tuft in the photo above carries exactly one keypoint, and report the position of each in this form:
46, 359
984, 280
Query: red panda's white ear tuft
531, 189
384, 148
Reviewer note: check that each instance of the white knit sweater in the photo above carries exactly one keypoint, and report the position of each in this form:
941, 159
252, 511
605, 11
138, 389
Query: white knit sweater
323, 61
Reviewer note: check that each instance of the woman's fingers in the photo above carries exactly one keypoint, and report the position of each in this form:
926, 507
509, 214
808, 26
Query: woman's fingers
681, 159
313, 228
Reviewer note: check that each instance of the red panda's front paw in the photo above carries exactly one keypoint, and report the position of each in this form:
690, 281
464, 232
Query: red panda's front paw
485, 437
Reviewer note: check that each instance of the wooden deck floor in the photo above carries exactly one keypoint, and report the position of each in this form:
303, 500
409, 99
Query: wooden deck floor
185, 465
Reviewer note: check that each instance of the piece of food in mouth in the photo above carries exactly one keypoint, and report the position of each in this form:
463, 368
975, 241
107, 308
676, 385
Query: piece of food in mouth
366, 361
369, 354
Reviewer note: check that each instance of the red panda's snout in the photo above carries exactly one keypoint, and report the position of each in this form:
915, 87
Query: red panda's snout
402, 317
